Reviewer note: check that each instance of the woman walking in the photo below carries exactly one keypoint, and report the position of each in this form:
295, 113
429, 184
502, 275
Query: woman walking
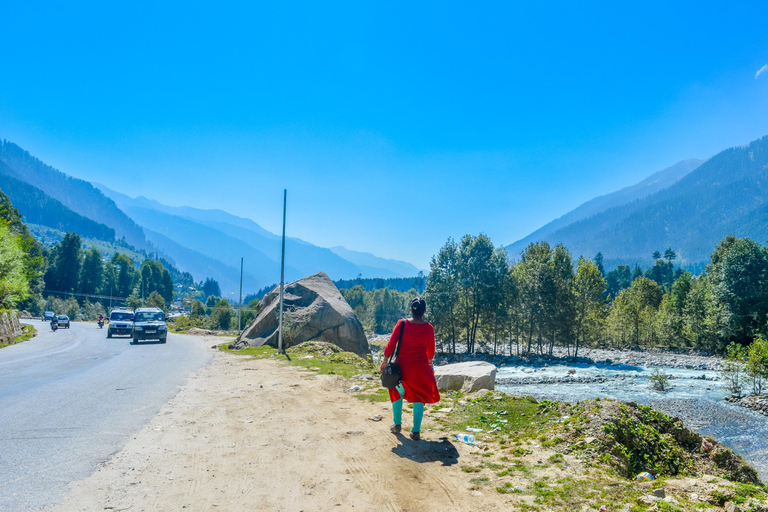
415, 359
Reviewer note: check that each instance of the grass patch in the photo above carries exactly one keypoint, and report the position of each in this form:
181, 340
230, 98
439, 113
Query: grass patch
27, 332
379, 395
310, 357
556, 458
507, 415
508, 488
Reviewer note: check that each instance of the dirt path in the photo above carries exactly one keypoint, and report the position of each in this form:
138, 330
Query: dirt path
248, 434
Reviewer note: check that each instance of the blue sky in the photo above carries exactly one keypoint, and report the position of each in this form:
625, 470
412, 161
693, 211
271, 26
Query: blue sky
393, 125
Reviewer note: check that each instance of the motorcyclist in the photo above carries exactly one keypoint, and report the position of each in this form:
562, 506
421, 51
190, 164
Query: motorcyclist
54, 323
101, 320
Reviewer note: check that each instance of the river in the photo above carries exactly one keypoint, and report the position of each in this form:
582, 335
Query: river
696, 398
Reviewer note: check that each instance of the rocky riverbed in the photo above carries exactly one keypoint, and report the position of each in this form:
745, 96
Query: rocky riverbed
752, 401
647, 358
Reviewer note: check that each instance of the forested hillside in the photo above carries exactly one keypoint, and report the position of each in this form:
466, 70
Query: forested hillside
211, 242
37, 207
726, 194
76, 194
650, 185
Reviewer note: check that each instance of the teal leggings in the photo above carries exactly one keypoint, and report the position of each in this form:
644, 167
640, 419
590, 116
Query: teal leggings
397, 411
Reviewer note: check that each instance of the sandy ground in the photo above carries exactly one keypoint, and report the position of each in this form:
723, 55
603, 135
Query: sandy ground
248, 434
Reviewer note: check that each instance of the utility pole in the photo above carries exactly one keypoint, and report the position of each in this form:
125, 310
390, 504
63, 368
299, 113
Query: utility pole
240, 307
282, 280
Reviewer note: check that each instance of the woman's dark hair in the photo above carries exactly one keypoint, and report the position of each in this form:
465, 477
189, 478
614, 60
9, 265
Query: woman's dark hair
418, 306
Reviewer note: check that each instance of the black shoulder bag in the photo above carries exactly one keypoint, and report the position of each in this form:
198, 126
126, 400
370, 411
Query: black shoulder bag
393, 375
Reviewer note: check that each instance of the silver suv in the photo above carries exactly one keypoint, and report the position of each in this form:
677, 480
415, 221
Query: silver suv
120, 322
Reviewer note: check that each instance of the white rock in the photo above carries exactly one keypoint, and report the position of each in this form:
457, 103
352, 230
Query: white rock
468, 377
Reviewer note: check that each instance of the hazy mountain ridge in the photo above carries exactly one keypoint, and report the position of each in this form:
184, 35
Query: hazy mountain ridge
76, 194
650, 185
726, 194
373, 263
214, 235
39, 208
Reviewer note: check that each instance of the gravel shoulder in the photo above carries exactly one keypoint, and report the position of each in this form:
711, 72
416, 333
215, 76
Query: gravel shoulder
258, 434
250, 434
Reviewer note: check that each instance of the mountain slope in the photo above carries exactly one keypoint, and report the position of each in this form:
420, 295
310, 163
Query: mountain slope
373, 265
185, 258
650, 185
217, 229
726, 194
208, 242
76, 194
39, 208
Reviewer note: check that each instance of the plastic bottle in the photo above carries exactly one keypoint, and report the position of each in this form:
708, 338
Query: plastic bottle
466, 438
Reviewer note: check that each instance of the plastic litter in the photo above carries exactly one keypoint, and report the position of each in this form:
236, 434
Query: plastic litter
644, 477
706, 445
472, 429
495, 430
355, 388
501, 413
603, 509
466, 438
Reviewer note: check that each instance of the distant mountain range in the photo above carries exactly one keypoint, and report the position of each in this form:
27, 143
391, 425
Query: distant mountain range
78, 195
689, 207
206, 243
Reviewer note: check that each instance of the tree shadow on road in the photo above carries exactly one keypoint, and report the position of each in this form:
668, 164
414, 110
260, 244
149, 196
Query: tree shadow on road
427, 451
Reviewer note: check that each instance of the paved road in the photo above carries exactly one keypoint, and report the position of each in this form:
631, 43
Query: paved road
70, 399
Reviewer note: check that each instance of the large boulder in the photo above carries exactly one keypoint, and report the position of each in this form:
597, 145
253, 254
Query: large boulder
467, 377
313, 310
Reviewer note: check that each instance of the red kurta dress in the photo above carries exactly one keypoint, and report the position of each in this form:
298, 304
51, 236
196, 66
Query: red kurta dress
416, 349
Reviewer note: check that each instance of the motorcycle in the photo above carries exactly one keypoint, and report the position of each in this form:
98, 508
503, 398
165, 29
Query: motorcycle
54, 326
101, 324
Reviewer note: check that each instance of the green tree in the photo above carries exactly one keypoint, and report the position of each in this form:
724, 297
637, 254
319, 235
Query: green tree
560, 316
197, 309
617, 279
125, 275
442, 293
734, 368
670, 319
599, 262
211, 287
92, 273
72, 309
155, 300
154, 277
757, 364
632, 313
534, 277
739, 274
134, 301
476, 279
14, 286
67, 258
588, 288
221, 316
34, 261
